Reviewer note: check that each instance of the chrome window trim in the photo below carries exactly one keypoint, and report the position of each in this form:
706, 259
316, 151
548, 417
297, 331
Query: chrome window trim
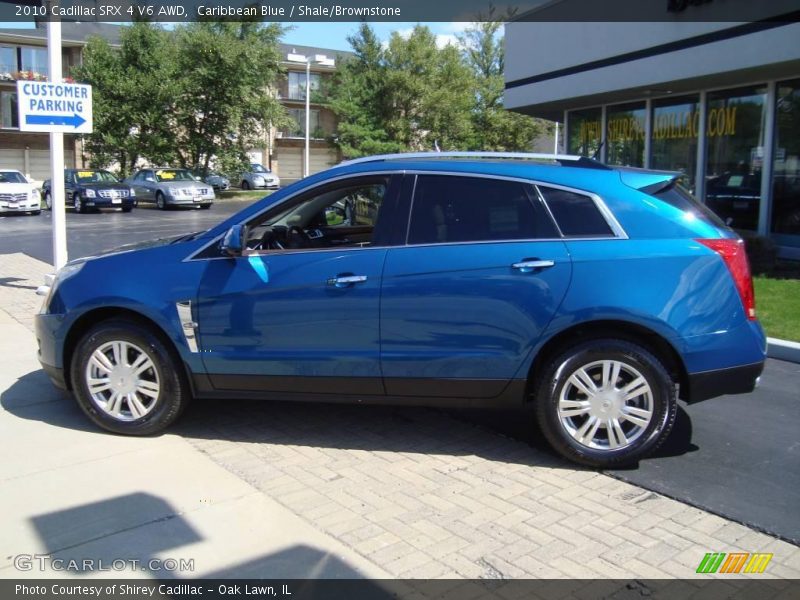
618, 232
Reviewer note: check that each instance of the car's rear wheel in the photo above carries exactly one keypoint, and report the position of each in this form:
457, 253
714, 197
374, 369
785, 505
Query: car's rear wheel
605, 403
161, 203
245, 185
48, 201
127, 380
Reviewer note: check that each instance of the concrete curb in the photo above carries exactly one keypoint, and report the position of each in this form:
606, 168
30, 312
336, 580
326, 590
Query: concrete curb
783, 350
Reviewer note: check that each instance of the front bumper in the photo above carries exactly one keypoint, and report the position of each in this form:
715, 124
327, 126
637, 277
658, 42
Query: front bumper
190, 201
719, 382
108, 202
15, 207
48, 335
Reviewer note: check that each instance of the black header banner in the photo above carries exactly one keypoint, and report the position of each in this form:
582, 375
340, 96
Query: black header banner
295, 11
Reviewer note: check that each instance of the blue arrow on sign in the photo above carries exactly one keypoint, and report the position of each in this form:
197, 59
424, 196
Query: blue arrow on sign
75, 120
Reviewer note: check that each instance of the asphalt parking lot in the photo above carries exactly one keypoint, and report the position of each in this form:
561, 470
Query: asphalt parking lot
736, 456
93, 232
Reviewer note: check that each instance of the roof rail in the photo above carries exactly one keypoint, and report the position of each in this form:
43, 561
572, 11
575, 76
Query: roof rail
564, 159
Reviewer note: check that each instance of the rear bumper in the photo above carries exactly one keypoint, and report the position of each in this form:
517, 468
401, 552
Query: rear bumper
719, 382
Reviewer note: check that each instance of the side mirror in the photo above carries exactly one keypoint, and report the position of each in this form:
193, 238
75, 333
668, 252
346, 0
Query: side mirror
233, 242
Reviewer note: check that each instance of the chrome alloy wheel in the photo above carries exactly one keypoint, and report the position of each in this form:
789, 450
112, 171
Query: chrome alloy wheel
605, 405
122, 381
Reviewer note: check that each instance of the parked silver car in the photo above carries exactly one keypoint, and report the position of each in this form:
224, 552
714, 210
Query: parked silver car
259, 177
218, 181
170, 187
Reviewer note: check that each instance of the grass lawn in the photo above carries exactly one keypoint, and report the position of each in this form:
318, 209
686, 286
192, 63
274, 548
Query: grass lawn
237, 195
778, 306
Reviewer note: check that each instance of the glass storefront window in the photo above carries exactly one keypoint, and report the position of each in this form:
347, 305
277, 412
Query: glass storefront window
786, 174
584, 129
735, 132
625, 135
674, 142
9, 118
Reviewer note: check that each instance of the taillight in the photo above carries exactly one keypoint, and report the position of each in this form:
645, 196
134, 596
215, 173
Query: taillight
733, 253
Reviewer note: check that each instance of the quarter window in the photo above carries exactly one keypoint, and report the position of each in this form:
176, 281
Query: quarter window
472, 209
576, 214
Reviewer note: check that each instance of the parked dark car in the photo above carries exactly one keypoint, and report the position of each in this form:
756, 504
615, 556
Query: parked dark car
85, 189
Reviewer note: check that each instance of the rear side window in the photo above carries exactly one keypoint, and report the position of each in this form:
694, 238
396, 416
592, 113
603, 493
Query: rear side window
576, 214
473, 209
676, 195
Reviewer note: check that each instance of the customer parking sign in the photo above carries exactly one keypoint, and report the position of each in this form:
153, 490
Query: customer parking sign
54, 107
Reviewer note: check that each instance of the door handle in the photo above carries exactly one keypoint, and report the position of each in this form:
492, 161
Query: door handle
341, 281
526, 266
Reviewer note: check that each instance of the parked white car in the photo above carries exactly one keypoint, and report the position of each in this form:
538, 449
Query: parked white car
17, 194
259, 177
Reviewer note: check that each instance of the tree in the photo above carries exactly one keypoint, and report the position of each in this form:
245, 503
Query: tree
355, 94
410, 95
226, 71
495, 128
134, 89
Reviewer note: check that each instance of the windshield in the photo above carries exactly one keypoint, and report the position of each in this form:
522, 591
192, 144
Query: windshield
95, 177
12, 177
259, 169
174, 175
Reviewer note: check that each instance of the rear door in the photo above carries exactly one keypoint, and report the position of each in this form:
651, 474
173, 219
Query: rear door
466, 299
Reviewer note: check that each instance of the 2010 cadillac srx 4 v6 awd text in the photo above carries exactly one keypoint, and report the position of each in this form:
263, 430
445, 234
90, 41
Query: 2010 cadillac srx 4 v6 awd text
596, 295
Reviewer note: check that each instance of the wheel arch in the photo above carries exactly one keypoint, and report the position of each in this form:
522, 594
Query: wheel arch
652, 341
96, 316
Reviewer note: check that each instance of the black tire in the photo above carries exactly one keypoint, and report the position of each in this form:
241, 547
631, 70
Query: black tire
48, 201
245, 185
128, 208
205, 206
36, 212
77, 204
173, 393
161, 203
554, 378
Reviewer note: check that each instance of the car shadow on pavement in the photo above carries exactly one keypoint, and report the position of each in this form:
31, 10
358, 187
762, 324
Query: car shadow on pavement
33, 397
503, 435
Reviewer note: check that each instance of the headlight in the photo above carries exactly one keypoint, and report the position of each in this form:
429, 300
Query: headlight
90, 194
132, 193
35, 194
64, 273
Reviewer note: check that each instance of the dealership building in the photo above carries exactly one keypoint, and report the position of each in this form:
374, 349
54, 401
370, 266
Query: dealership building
714, 99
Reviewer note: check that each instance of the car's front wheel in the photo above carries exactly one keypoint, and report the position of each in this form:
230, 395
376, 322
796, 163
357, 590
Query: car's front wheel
245, 185
127, 380
77, 203
605, 403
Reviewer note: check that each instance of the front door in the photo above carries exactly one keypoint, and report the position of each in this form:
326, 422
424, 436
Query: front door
464, 303
299, 311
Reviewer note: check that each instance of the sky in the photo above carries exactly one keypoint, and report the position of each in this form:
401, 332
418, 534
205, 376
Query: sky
334, 35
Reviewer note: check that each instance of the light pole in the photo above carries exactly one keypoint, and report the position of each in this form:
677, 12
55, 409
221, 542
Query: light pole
308, 119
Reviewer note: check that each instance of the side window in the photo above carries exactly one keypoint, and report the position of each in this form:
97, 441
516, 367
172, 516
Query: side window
472, 209
576, 214
335, 216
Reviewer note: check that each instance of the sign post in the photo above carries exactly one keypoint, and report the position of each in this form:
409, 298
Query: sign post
55, 107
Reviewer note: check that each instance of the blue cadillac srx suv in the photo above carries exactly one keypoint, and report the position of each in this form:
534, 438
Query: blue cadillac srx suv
596, 295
